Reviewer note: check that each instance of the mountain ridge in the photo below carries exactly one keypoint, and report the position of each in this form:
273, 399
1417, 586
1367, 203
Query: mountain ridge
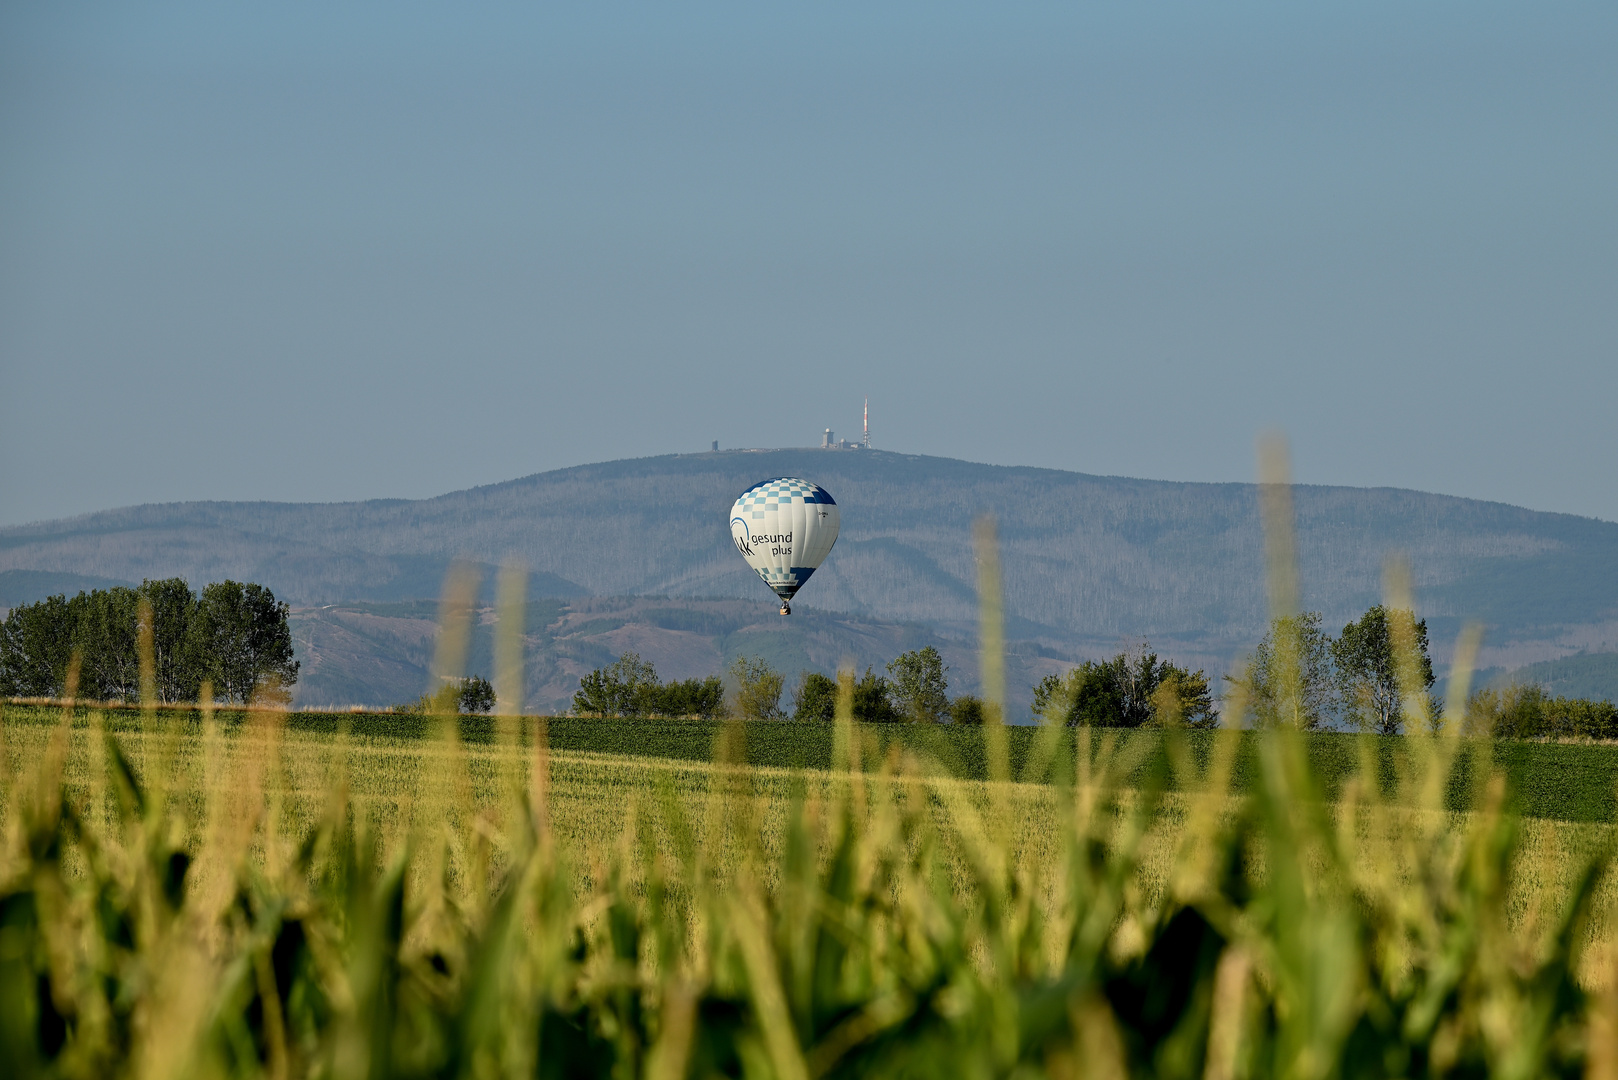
1088, 560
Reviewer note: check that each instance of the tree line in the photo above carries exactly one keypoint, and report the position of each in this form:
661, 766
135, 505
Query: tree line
1352, 680
915, 688
233, 636
1529, 712
1133, 689
1348, 681
472, 694
1130, 690
630, 687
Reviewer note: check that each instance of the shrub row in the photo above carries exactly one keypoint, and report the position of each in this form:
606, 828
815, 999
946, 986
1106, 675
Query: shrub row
1528, 712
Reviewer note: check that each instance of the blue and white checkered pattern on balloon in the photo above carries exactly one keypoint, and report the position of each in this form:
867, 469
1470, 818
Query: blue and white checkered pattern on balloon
782, 491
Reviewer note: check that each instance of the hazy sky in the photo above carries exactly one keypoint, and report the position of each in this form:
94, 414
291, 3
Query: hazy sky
315, 251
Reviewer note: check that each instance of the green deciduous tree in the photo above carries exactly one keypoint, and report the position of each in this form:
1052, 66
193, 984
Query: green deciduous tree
704, 698
966, 709
629, 687
105, 634
1507, 712
1098, 695
1368, 668
1182, 698
476, 695
757, 688
873, 700
1133, 689
594, 697
36, 644
919, 688
1051, 698
245, 642
815, 698
624, 687
175, 657
1291, 678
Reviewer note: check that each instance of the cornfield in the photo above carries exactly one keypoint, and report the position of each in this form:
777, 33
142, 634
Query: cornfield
232, 902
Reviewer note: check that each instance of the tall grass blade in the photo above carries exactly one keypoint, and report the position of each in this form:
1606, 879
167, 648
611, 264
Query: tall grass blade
991, 649
511, 594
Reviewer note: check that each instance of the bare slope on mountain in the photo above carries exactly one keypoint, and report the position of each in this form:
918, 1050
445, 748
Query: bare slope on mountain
1086, 558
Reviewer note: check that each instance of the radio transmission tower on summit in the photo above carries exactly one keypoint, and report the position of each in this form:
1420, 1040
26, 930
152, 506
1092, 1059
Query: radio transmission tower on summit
866, 442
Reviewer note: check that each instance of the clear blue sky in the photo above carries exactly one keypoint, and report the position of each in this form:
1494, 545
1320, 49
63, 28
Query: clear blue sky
315, 251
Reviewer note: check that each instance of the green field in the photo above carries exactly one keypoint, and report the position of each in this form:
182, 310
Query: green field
275, 894
1560, 781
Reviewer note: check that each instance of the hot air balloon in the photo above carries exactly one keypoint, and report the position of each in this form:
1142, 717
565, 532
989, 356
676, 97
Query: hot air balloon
784, 528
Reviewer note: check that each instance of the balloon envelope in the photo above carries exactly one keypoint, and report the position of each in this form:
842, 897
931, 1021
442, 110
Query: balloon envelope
784, 528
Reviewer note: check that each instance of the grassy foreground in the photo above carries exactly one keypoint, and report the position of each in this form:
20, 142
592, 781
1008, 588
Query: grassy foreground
267, 899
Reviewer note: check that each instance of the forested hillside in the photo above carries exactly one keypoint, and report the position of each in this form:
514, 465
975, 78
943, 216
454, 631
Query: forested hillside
1582, 675
1088, 560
